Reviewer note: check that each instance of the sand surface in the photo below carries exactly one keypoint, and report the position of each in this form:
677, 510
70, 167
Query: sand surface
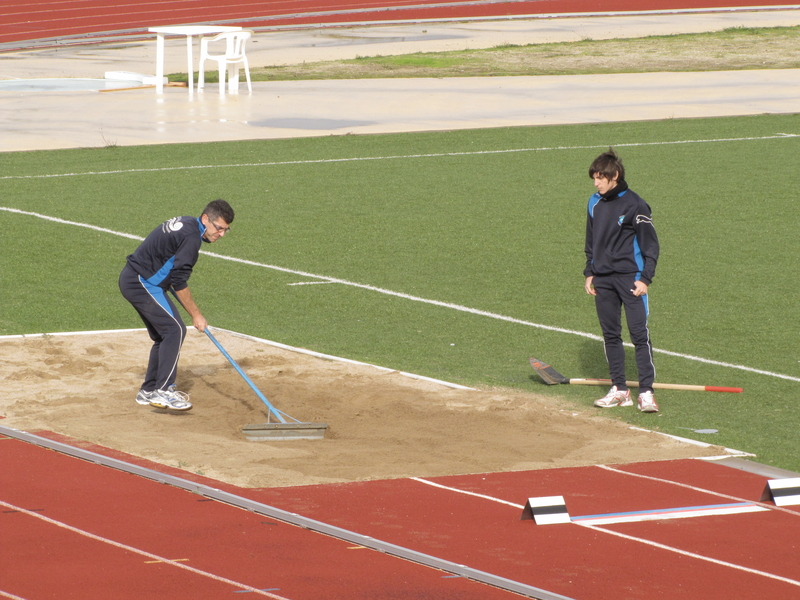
381, 424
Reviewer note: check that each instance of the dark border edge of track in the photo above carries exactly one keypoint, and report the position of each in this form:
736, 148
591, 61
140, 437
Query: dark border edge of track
287, 517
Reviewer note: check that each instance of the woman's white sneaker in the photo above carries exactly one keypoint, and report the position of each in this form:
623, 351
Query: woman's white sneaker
615, 397
647, 402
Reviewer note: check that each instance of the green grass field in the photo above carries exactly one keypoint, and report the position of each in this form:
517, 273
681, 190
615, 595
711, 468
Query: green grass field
454, 255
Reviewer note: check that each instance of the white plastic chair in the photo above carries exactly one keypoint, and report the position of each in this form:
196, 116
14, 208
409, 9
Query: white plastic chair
228, 62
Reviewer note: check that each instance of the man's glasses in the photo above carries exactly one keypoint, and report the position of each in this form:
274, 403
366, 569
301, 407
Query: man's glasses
219, 228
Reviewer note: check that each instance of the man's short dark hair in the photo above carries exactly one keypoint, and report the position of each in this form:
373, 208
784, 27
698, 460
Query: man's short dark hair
219, 209
607, 165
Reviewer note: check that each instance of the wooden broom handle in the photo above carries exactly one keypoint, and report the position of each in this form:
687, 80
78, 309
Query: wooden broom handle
661, 386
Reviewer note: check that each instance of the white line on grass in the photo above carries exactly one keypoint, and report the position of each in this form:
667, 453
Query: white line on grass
402, 156
728, 451
340, 359
449, 305
75, 223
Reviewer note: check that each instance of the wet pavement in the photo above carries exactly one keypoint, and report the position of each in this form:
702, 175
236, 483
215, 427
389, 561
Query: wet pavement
57, 114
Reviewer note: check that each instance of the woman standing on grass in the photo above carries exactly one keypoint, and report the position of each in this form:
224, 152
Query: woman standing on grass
621, 255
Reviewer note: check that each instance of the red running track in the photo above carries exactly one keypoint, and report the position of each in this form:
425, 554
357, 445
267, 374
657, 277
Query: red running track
575, 561
74, 529
24, 20
472, 520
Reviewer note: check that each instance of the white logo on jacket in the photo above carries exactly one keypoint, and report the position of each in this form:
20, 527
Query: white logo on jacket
173, 224
643, 219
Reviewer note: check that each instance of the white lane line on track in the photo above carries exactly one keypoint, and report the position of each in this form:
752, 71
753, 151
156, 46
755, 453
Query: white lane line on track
692, 554
699, 489
466, 493
140, 552
12, 596
448, 305
627, 537
777, 136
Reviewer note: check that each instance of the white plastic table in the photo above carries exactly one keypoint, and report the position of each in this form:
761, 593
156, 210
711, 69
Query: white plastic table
189, 31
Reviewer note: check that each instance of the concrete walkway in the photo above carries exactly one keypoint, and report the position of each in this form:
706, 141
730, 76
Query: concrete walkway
71, 119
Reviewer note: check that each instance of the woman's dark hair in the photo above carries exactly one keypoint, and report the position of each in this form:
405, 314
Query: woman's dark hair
607, 165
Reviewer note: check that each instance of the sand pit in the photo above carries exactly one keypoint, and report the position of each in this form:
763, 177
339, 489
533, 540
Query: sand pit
382, 424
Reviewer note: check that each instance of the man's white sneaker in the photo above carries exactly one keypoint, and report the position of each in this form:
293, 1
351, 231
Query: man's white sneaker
615, 397
172, 400
647, 402
143, 397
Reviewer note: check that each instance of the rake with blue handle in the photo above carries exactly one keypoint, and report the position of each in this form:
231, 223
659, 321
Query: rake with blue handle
272, 431
283, 430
